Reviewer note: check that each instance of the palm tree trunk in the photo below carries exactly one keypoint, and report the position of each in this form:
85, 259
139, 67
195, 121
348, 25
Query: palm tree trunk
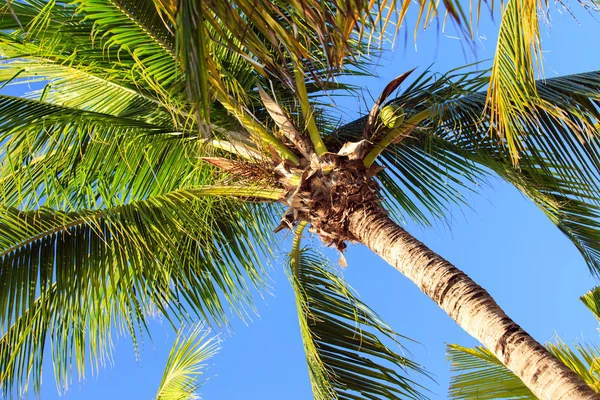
470, 306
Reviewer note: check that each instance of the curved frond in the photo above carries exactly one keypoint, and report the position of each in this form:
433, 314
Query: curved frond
478, 374
559, 169
422, 178
592, 301
84, 89
118, 26
512, 94
52, 152
186, 364
564, 147
95, 36
71, 278
341, 335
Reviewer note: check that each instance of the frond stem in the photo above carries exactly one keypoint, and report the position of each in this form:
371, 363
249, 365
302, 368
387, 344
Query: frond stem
295, 254
254, 126
396, 134
311, 125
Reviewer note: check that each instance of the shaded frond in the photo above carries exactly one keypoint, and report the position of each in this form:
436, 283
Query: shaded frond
341, 335
276, 37
423, 181
566, 150
560, 170
422, 178
186, 364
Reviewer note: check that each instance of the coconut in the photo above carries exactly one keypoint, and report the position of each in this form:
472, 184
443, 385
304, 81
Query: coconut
392, 116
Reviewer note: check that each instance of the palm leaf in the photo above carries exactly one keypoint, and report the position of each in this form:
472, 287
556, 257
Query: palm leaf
80, 88
57, 152
74, 277
135, 32
592, 301
452, 151
186, 364
560, 173
512, 93
309, 40
478, 374
422, 177
341, 335
99, 39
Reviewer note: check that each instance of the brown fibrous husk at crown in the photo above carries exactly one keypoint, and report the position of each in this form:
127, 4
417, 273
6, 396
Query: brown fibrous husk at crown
328, 192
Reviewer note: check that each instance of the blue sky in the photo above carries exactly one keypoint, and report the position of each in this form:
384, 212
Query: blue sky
503, 242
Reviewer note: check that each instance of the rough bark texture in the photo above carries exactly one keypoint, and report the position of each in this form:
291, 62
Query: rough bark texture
469, 305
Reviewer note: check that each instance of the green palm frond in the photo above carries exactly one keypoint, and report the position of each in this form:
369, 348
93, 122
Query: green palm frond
566, 150
80, 88
560, 173
341, 335
423, 181
88, 56
95, 39
280, 40
73, 277
512, 94
452, 151
186, 364
135, 31
422, 177
478, 374
583, 359
60, 153
592, 301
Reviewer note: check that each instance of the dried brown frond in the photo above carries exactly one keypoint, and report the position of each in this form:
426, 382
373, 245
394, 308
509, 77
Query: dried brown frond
242, 170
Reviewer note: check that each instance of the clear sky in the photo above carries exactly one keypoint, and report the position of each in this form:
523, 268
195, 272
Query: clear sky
504, 243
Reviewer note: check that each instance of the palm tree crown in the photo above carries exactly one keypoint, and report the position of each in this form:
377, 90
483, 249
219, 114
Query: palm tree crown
149, 170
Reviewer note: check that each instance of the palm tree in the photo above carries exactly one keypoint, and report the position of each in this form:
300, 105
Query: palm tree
144, 174
477, 374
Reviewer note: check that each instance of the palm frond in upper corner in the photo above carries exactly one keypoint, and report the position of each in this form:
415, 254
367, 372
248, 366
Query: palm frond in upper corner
271, 35
186, 364
96, 36
138, 32
512, 93
560, 171
565, 146
346, 357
